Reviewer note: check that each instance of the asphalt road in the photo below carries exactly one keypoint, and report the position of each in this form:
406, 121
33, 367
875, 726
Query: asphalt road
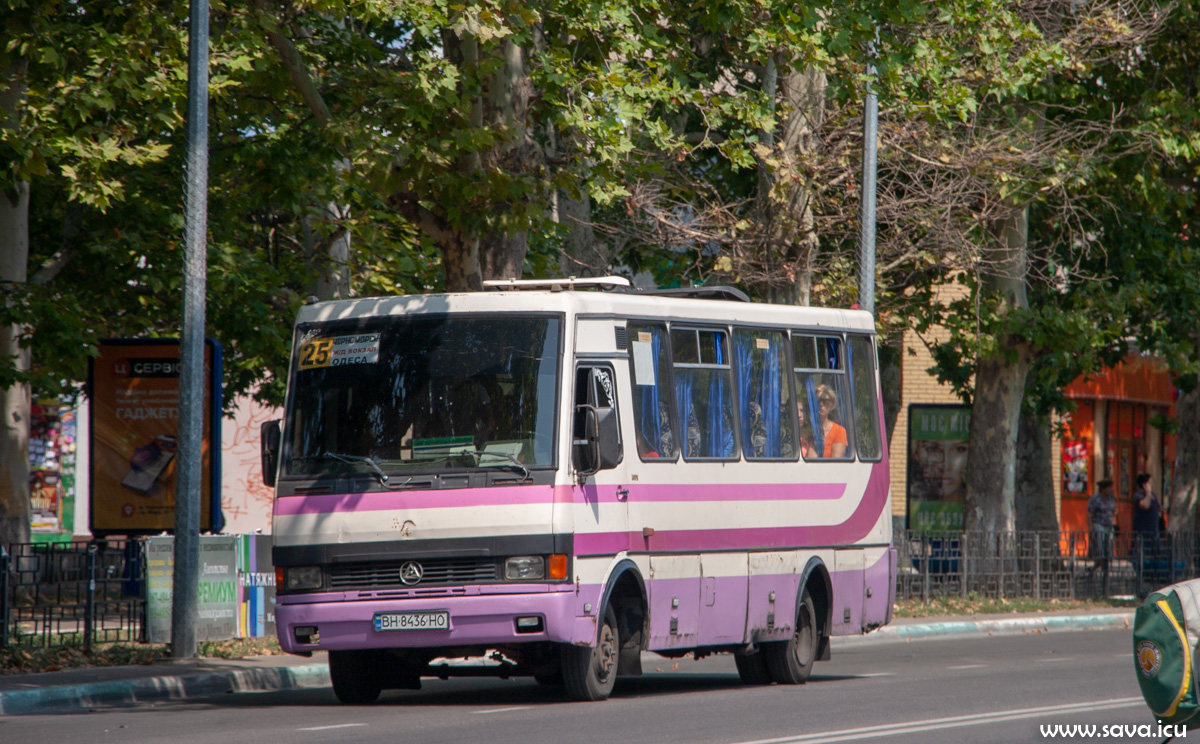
974, 689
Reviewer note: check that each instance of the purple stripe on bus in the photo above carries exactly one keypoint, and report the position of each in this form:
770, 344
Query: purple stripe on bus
660, 492
394, 500
747, 538
532, 495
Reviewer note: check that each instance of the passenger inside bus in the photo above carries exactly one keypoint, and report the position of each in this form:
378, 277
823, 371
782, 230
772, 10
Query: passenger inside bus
807, 449
836, 442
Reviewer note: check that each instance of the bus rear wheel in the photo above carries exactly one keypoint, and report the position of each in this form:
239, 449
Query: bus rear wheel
752, 668
354, 677
590, 673
790, 662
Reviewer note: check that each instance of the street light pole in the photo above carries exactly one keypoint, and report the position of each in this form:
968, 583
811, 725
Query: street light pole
185, 594
866, 241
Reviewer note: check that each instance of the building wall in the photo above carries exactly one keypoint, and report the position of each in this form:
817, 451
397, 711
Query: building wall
917, 385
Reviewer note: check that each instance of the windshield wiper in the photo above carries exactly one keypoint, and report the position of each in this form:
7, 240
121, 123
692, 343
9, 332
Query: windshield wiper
512, 458
351, 459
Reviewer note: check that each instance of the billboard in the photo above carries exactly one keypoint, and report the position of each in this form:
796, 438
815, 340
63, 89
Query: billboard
938, 438
134, 389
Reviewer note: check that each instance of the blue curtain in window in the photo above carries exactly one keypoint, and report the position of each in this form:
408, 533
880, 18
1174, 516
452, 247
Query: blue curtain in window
832, 345
743, 364
684, 383
720, 437
814, 418
770, 394
651, 425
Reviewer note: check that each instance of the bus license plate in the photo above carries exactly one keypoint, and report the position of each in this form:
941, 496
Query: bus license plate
412, 621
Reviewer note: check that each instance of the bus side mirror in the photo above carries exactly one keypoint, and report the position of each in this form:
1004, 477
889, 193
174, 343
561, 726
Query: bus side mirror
270, 434
600, 447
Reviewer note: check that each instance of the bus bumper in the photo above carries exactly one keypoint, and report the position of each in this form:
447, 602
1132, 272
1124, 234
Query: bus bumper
334, 621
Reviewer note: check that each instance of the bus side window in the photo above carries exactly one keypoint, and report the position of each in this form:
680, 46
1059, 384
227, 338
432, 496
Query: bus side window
652, 392
819, 366
766, 415
704, 393
861, 358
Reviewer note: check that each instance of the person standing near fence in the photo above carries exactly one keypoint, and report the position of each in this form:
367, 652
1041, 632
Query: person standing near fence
1146, 514
1102, 512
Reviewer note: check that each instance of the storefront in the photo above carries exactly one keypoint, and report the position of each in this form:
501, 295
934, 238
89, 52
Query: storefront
56, 447
1116, 431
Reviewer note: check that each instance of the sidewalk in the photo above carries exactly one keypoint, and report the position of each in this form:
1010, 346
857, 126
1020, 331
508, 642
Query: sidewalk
92, 687
911, 628
80, 689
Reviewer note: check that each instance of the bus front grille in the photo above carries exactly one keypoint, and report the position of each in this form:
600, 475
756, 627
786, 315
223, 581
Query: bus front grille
434, 571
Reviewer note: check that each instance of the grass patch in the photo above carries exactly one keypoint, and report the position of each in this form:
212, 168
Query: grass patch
977, 604
34, 659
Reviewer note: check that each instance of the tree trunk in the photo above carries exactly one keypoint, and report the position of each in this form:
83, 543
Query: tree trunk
999, 389
1035, 479
460, 261
583, 254
1186, 483
15, 399
785, 195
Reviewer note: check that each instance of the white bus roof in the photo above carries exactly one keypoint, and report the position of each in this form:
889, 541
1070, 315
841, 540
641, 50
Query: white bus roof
621, 304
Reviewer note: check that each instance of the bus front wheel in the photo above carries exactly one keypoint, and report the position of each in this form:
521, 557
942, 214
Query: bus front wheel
790, 662
590, 673
354, 677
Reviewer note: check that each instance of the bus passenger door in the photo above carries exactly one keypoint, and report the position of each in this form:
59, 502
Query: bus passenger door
848, 590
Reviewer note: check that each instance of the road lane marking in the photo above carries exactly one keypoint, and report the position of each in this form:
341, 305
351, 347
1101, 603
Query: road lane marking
501, 710
1050, 661
876, 674
933, 724
337, 726
968, 666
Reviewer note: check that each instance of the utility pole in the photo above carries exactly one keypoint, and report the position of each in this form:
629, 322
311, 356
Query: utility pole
866, 234
185, 594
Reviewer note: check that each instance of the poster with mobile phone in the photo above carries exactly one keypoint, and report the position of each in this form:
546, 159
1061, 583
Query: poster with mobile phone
134, 390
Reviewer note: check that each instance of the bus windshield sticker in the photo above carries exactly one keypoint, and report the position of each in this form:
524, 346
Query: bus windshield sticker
336, 351
643, 363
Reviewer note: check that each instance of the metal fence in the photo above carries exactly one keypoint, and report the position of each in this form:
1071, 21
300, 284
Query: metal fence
1041, 565
78, 593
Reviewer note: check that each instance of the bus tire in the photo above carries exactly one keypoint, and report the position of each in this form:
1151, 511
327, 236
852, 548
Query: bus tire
589, 673
790, 662
752, 668
353, 676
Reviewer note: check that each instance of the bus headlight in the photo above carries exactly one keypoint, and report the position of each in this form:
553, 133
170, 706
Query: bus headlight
304, 577
525, 568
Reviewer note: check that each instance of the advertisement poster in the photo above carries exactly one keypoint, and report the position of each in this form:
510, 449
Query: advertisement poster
134, 386
938, 436
218, 593
256, 587
1075, 468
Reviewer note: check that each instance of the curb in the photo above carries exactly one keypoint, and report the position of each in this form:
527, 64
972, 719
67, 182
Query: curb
166, 687
1050, 623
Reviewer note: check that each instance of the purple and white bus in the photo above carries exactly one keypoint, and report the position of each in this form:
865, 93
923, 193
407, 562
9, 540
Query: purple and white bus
553, 477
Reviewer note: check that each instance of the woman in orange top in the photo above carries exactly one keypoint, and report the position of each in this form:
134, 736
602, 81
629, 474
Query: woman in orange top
836, 442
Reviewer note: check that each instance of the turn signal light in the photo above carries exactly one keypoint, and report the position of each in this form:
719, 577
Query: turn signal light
558, 566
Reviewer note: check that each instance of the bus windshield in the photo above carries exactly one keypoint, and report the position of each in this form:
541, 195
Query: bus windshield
423, 394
